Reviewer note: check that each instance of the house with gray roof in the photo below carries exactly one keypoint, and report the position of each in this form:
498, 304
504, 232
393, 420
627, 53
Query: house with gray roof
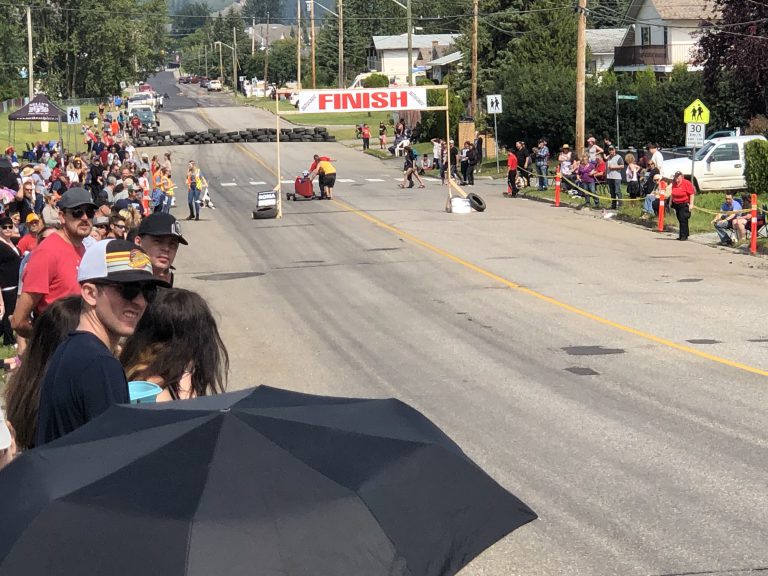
661, 34
601, 43
389, 54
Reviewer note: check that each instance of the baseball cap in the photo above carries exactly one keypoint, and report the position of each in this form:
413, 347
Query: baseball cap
5, 434
97, 221
678, 173
15, 164
566, 147
32, 217
76, 197
305, 173
116, 260
161, 224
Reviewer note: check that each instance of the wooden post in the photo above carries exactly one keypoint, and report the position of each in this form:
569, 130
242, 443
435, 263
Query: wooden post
475, 14
581, 75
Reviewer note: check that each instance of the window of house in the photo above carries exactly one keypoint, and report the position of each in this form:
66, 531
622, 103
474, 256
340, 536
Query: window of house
645, 36
666, 36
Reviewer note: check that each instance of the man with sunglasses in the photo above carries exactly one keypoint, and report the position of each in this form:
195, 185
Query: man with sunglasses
160, 235
84, 378
52, 269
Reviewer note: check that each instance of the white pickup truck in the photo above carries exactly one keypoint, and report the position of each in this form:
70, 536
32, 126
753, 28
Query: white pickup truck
142, 99
718, 165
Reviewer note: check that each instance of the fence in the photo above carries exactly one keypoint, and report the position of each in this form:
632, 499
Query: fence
13, 104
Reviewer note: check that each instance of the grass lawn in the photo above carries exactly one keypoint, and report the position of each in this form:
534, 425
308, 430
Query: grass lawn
29, 132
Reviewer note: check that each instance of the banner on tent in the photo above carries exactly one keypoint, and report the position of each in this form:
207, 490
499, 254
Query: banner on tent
363, 100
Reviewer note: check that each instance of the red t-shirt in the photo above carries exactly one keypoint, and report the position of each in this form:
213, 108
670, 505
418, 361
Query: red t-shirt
52, 271
511, 161
681, 193
27, 243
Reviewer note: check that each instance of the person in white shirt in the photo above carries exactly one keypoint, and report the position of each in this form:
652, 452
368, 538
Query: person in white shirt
656, 156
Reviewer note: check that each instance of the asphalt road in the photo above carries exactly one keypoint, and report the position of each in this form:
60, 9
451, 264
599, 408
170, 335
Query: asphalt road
612, 378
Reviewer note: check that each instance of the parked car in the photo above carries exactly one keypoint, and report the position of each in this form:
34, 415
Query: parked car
145, 88
194, 79
718, 165
214, 86
148, 118
204, 82
183, 79
142, 99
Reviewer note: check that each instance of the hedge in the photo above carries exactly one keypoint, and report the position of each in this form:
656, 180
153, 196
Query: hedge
756, 169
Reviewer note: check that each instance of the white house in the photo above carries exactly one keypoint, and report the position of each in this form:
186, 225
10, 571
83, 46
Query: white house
661, 34
601, 43
389, 54
437, 69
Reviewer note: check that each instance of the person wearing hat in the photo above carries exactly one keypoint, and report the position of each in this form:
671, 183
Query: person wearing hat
7, 441
160, 235
51, 272
84, 378
614, 166
565, 160
681, 197
100, 227
29, 240
593, 149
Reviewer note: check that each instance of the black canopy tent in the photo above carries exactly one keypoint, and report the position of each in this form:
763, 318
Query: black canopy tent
39, 109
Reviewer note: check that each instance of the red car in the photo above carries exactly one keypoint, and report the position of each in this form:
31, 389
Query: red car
146, 88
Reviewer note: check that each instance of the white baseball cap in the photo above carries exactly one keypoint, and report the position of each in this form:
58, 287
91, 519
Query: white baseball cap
5, 433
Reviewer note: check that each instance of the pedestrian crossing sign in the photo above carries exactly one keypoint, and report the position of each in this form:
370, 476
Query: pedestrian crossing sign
696, 113
494, 104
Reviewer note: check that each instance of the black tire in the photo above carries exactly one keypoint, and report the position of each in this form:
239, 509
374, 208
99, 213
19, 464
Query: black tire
213, 130
477, 203
265, 214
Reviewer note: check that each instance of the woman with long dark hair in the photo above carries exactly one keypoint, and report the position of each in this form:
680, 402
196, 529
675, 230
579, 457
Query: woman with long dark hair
177, 346
22, 395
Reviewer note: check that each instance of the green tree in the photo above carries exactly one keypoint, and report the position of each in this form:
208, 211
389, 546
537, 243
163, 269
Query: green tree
13, 56
190, 18
259, 9
282, 61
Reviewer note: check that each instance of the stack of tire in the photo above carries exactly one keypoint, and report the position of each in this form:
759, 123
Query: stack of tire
216, 136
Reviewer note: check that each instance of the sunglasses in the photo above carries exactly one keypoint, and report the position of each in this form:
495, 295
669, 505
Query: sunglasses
78, 212
7, 227
101, 226
130, 290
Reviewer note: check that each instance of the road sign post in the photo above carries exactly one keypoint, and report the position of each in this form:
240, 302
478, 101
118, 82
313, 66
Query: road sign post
494, 106
696, 118
620, 97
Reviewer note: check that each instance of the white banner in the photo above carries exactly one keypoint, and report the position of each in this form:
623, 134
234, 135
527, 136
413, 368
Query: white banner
363, 100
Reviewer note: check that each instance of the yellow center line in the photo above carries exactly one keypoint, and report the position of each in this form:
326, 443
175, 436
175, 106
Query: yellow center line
514, 286
549, 299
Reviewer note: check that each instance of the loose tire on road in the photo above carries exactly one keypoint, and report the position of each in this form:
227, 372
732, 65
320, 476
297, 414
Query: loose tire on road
265, 213
476, 202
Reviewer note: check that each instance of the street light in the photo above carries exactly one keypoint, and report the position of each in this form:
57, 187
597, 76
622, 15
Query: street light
340, 16
234, 65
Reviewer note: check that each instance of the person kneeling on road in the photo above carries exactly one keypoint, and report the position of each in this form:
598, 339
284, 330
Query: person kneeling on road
730, 218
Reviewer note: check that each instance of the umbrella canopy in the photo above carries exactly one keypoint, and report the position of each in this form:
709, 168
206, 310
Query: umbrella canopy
266, 482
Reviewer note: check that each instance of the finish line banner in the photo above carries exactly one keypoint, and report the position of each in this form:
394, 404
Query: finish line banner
363, 99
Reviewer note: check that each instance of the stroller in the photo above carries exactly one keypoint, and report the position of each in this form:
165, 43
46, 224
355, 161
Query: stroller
302, 187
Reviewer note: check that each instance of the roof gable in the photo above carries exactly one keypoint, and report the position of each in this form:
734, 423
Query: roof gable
604, 40
400, 42
674, 9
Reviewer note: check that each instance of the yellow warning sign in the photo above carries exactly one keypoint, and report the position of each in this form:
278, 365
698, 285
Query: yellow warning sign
696, 113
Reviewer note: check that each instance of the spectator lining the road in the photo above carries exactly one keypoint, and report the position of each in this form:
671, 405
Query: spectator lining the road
160, 235
22, 395
84, 378
728, 218
178, 347
682, 196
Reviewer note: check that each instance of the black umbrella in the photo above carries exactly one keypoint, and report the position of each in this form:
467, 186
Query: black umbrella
264, 482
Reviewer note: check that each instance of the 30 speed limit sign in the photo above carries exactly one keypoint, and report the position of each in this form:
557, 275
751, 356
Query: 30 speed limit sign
694, 134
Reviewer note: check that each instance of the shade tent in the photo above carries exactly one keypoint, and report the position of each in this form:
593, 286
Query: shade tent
39, 109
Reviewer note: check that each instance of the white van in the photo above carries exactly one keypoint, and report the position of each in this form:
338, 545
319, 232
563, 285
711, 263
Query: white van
718, 165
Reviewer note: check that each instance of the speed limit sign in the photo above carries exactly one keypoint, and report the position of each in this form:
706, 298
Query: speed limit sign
694, 134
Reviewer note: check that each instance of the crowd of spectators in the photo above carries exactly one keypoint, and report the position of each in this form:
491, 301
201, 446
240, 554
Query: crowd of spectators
87, 247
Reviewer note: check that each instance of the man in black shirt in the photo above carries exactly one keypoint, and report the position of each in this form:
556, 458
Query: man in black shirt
84, 378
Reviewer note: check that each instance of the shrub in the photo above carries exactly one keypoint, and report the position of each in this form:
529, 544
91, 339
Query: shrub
757, 125
376, 81
756, 169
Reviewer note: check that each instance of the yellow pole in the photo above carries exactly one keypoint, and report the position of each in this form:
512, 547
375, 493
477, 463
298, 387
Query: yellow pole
279, 187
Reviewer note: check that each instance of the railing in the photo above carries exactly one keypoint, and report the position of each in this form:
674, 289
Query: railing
653, 55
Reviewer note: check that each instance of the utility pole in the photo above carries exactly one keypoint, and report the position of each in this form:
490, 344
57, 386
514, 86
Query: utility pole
475, 12
581, 76
253, 36
312, 39
266, 55
205, 51
234, 59
341, 45
299, 37
30, 64
221, 64
409, 18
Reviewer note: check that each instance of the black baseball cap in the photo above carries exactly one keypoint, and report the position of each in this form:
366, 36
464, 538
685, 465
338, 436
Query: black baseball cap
161, 224
75, 197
